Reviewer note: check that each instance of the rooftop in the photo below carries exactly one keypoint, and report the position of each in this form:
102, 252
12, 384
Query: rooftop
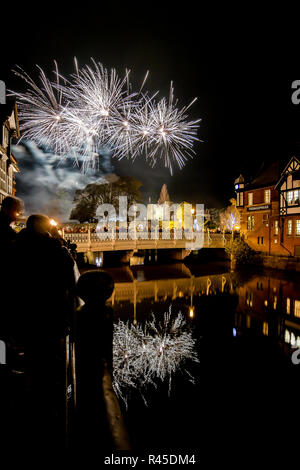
7, 109
268, 175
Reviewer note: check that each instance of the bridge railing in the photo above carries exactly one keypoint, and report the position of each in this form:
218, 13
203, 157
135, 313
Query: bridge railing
77, 237
210, 239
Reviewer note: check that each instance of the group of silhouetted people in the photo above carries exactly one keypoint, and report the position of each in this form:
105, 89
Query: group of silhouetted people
40, 303
37, 273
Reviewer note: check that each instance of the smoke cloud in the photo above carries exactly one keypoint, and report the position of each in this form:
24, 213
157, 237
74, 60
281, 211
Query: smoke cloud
47, 183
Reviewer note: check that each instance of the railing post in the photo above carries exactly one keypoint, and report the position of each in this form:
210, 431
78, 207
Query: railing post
89, 236
96, 403
224, 238
208, 237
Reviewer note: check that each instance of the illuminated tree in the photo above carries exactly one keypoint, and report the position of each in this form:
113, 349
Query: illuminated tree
230, 217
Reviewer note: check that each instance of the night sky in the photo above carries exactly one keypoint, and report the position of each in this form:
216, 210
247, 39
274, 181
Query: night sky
241, 78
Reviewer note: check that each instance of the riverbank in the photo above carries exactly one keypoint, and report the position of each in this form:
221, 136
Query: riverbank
281, 262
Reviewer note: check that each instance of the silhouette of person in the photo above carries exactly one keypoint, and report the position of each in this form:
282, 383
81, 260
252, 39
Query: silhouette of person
11, 209
44, 282
45, 276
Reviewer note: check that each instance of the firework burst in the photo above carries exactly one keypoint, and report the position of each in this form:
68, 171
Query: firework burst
96, 108
171, 136
41, 112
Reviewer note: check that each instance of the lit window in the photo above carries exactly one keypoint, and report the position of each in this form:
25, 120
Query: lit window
298, 227
267, 196
250, 199
250, 222
265, 328
290, 195
288, 305
293, 197
297, 309
293, 339
289, 227
287, 336
240, 199
276, 227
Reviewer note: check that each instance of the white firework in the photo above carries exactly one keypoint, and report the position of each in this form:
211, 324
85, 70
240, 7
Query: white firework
150, 354
96, 109
172, 136
138, 140
121, 133
41, 112
97, 96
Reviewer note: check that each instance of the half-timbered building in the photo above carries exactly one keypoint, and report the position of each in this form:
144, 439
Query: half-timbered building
258, 205
8, 164
288, 187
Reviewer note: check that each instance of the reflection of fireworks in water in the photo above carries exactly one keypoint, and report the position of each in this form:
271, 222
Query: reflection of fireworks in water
96, 108
144, 355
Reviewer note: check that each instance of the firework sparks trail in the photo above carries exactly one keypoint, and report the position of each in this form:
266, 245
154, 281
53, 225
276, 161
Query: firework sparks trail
171, 136
41, 111
144, 356
76, 117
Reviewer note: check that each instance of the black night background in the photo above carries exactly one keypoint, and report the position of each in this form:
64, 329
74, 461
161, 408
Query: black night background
244, 98
242, 72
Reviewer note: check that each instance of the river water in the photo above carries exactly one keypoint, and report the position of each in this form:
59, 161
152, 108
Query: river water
245, 326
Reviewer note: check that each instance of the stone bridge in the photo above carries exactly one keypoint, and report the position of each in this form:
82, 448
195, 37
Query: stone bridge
94, 247
91, 242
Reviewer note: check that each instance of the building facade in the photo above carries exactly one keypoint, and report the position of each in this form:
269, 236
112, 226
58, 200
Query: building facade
288, 187
269, 207
258, 205
8, 164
